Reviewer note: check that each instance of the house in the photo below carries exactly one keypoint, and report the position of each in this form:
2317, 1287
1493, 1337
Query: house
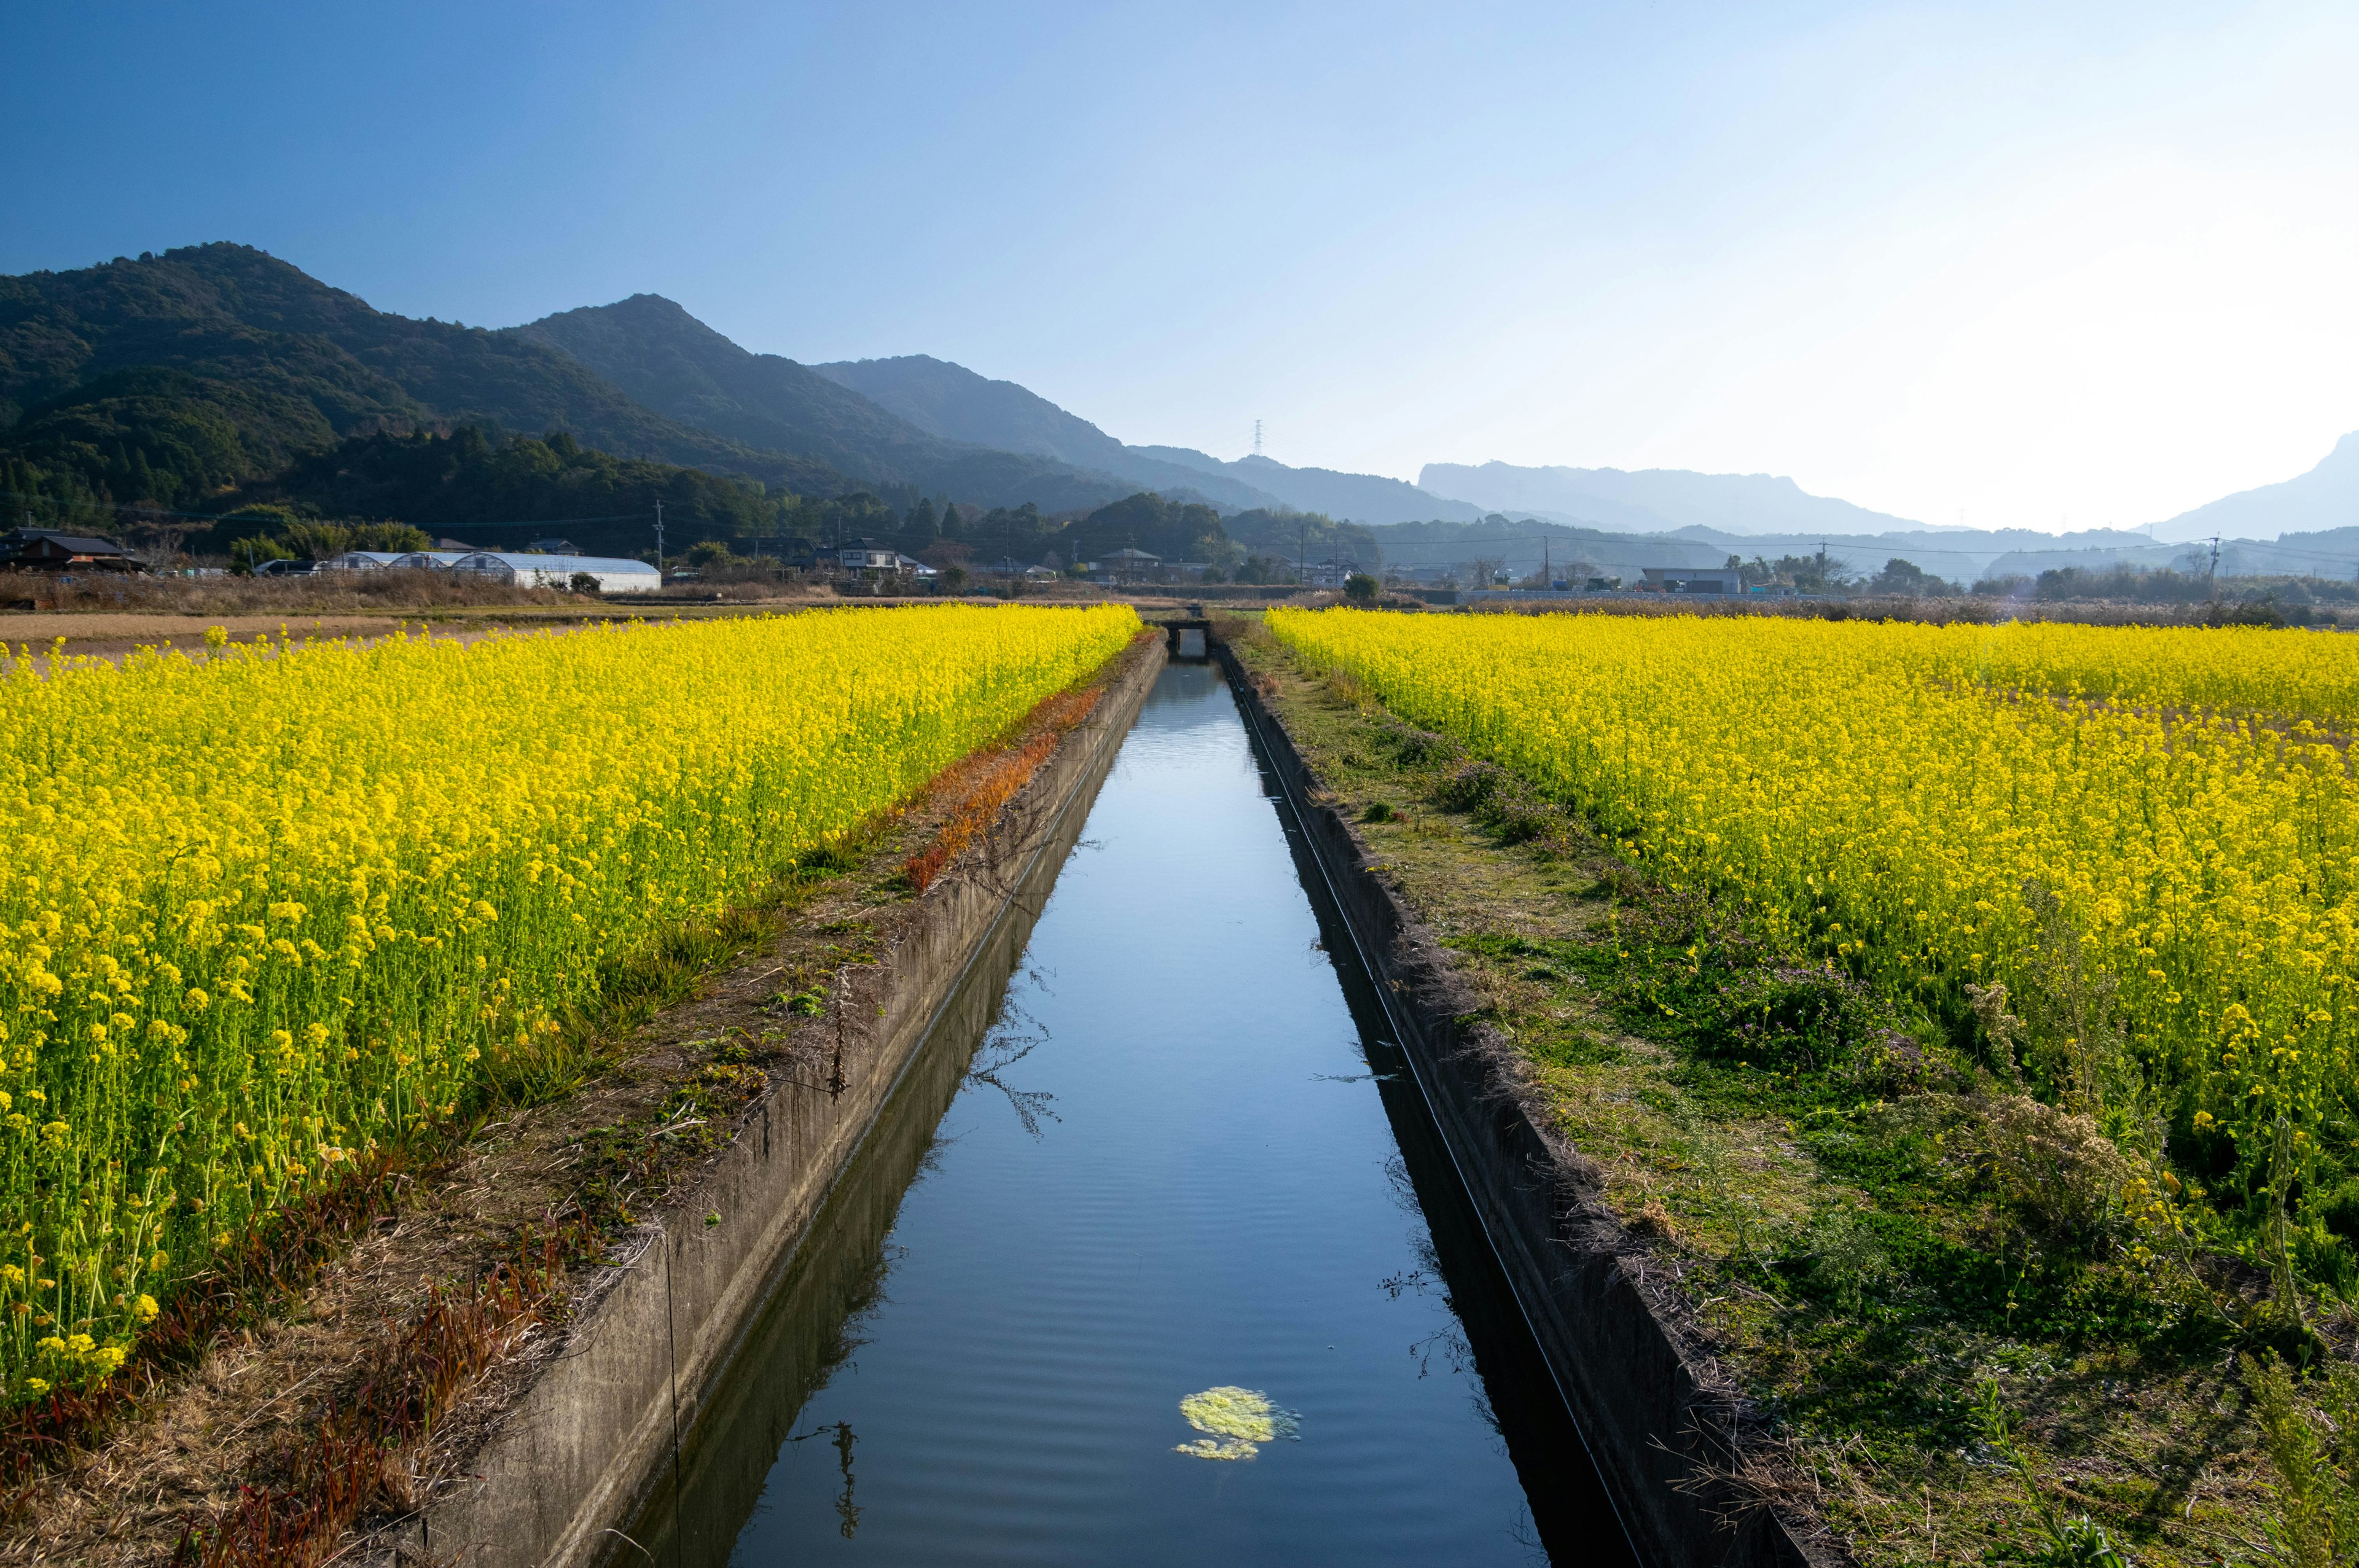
1330, 573
1126, 564
868, 556
553, 547
611, 573
1695, 579
48, 550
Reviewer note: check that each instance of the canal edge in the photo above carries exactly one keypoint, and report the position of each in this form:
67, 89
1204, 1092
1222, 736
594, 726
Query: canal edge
1650, 1422
597, 1432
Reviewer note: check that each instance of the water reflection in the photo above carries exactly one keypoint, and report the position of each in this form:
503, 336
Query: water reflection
1199, 1192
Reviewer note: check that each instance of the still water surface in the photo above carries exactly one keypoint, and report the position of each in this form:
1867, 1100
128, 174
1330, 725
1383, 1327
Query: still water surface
1177, 1154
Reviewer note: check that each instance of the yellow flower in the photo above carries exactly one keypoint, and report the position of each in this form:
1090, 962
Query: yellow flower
332, 841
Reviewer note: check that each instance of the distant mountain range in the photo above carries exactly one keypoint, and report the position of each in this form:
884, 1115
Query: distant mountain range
179, 376
1962, 556
1658, 500
952, 401
2326, 497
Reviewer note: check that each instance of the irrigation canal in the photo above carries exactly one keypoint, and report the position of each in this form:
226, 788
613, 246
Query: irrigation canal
1172, 1152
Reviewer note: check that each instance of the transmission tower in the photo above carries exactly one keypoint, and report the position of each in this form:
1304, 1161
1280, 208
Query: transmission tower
1257, 437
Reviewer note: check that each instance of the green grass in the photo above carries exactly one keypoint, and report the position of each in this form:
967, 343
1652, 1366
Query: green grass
1826, 1170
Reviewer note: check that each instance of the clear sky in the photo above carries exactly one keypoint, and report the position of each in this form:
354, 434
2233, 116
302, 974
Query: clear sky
2005, 263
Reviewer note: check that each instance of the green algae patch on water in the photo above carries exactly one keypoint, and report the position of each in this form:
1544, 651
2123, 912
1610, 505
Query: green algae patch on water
1237, 1422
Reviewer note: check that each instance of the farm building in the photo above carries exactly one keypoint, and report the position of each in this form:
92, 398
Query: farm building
46, 549
431, 560
1695, 579
613, 575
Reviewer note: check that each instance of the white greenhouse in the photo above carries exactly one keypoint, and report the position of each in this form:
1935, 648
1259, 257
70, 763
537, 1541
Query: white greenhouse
362, 560
613, 574
430, 560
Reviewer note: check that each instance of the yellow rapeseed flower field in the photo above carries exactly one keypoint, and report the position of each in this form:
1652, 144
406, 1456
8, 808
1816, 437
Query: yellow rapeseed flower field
264, 907
1907, 800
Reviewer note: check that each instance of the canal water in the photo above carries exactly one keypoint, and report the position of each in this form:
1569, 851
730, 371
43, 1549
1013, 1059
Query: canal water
1172, 1152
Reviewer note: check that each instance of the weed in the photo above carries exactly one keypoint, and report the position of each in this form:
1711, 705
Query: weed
2076, 1542
2313, 1457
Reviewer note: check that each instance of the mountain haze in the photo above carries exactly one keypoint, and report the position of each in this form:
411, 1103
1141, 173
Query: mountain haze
1361, 497
1653, 500
2326, 497
950, 400
954, 402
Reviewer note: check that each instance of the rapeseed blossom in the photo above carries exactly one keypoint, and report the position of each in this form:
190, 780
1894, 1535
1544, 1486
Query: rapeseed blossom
1907, 800
266, 907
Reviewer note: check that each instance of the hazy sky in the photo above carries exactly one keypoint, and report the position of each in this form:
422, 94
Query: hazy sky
2008, 264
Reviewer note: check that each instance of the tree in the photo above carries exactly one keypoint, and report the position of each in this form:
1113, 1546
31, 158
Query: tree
1360, 589
919, 531
1909, 577
1174, 531
1812, 574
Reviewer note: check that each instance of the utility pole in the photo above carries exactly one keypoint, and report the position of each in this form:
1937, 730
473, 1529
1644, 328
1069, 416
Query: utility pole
659, 553
1302, 561
1548, 573
2211, 573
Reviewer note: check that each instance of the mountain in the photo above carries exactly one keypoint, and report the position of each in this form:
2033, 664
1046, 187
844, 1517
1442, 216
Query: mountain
674, 363
952, 401
1656, 501
2326, 497
1960, 556
122, 371
1359, 497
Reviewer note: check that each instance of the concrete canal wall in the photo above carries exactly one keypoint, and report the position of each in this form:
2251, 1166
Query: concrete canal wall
1643, 1409
587, 1446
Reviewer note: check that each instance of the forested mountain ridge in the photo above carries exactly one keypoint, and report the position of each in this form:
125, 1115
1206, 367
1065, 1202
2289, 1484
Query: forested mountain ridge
679, 366
952, 401
164, 378
672, 362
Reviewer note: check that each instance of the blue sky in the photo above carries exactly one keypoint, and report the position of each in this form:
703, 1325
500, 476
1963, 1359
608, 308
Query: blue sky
2034, 264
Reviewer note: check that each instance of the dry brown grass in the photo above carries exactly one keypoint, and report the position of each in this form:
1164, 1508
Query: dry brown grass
323, 593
